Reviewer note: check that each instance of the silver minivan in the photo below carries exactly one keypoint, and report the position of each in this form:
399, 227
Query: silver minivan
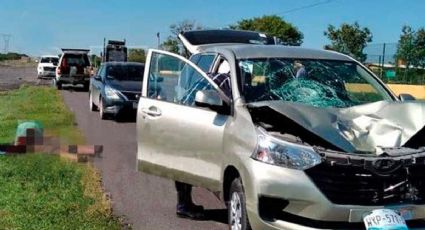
304, 139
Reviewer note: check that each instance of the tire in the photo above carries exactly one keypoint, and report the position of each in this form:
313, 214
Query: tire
237, 215
86, 86
101, 110
57, 84
93, 107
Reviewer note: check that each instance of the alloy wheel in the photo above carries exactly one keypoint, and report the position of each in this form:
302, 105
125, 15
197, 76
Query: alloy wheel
235, 212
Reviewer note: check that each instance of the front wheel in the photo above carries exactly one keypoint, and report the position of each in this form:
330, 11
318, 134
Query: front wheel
238, 218
102, 109
93, 107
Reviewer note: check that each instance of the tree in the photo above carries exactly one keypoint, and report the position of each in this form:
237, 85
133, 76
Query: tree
405, 47
95, 60
349, 39
183, 26
172, 43
420, 45
137, 55
411, 50
411, 47
272, 25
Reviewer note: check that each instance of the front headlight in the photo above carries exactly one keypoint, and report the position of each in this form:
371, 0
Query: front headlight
112, 93
272, 150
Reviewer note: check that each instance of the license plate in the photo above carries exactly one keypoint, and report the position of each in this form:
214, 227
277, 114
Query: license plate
384, 219
135, 105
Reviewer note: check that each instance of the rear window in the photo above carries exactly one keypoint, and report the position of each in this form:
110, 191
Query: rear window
227, 36
53, 60
76, 60
125, 72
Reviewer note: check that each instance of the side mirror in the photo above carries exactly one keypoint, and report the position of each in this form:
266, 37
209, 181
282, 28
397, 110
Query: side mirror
208, 98
406, 97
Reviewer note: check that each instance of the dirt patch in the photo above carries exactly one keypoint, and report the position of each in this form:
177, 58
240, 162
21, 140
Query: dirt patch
12, 77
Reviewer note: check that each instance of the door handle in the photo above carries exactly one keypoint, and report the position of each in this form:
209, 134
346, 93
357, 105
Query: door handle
152, 111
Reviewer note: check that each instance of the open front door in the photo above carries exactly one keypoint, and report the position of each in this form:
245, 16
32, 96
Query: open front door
176, 138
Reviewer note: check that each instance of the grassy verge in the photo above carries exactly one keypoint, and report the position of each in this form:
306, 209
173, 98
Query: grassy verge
43, 104
41, 191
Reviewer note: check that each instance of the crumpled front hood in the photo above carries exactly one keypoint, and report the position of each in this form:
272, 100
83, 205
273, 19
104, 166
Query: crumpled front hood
363, 128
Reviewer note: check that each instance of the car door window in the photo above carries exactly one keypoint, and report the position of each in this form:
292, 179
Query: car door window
205, 62
172, 79
197, 82
164, 72
191, 81
195, 58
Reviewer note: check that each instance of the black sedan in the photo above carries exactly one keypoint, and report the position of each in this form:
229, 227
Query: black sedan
116, 88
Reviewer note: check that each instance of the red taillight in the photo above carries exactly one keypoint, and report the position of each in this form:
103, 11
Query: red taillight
58, 70
63, 67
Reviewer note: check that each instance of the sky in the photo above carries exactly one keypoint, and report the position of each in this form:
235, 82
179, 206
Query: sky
43, 26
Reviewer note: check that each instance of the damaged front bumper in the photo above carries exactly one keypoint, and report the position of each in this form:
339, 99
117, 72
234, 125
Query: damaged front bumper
337, 193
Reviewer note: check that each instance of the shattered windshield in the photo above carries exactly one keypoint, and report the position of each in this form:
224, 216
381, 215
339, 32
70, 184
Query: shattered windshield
319, 83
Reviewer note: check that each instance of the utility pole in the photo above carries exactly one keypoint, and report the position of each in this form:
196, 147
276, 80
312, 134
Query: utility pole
383, 61
6, 39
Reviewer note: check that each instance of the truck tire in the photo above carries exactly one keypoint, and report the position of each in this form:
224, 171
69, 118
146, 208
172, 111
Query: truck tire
57, 84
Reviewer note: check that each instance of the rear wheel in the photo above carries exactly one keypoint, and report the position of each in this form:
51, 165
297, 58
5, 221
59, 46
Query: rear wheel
93, 107
57, 84
238, 218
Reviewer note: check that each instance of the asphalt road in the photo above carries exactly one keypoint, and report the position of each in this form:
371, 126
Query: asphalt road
148, 202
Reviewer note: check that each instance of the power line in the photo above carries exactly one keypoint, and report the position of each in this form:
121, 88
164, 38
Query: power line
6, 39
306, 7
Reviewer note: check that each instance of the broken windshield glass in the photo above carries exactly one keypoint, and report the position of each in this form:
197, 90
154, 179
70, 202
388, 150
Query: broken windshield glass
318, 83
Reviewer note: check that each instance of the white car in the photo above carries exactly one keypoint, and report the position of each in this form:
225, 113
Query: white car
47, 66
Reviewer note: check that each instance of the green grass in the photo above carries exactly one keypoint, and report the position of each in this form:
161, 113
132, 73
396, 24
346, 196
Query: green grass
40, 191
43, 104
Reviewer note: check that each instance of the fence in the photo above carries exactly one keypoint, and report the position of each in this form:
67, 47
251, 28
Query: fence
381, 60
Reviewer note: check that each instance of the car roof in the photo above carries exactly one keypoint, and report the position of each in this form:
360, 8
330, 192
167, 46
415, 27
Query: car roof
122, 63
49, 56
278, 51
75, 51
